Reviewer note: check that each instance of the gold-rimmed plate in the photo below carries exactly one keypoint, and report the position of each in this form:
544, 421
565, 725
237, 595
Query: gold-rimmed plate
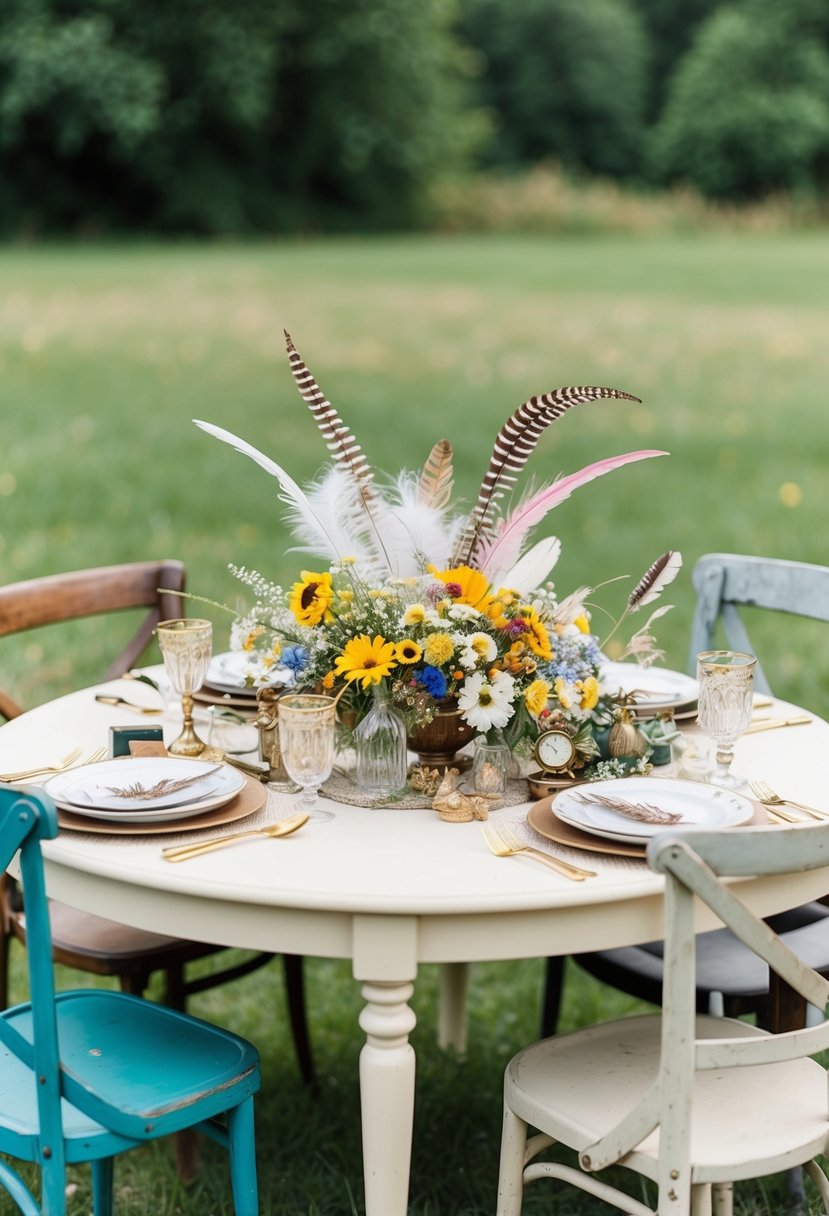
250, 799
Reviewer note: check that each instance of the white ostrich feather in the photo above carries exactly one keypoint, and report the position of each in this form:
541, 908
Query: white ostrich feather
336, 501
290, 491
416, 533
533, 569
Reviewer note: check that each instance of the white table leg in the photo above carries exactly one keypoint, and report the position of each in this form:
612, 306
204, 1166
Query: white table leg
387, 1085
452, 1006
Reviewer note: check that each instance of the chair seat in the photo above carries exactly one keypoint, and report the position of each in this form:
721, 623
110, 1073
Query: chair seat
724, 964
578, 1086
109, 943
181, 1062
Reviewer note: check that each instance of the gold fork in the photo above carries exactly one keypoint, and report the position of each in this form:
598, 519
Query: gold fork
763, 791
184, 852
504, 843
67, 762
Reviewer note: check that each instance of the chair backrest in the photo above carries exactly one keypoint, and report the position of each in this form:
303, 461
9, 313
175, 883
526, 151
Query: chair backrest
83, 593
694, 865
26, 818
726, 581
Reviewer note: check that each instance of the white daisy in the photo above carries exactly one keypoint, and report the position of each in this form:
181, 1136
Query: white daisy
478, 648
487, 703
463, 612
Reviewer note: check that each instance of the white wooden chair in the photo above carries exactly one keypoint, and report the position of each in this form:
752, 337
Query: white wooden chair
693, 1103
729, 978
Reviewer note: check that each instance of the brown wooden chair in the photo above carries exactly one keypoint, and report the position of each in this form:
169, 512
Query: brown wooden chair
80, 939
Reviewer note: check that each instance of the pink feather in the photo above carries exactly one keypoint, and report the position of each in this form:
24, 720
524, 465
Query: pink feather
500, 553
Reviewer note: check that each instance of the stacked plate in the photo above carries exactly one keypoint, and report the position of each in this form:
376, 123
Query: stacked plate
582, 817
225, 684
651, 690
145, 789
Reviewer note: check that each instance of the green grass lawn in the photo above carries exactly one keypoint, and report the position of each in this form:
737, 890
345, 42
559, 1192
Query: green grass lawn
107, 353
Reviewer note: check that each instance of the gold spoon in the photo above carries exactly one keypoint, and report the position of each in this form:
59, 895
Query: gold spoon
140, 709
184, 852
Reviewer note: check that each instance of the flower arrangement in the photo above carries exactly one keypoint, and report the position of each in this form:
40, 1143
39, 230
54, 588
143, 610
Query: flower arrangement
431, 603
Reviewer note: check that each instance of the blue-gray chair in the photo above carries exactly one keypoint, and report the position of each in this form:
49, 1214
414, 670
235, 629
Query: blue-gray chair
729, 978
88, 1074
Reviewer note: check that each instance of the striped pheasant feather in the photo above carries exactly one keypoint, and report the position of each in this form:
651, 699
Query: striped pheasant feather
514, 445
436, 481
342, 445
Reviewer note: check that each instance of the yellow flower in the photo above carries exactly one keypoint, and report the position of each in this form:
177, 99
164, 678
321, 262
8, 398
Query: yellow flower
415, 614
346, 596
466, 586
561, 690
311, 598
250, 640
537, 637
365, 660
589, 689
438, 649
408, 652
582, 623
328, 680
536, 696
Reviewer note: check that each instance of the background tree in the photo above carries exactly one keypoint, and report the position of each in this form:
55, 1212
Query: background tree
213, 117
747, 111
562, 80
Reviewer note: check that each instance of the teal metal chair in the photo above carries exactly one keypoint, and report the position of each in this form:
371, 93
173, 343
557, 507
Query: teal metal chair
88, 1074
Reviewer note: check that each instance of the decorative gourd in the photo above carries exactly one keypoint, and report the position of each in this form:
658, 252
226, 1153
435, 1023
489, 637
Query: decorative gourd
625, 737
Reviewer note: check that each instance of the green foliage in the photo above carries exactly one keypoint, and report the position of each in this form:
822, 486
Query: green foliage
562, 80
671, 27
204, 116
748, 109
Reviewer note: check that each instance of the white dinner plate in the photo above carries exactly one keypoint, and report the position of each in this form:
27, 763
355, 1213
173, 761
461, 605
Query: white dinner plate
226, 673
88, 791
701, 806
654, 688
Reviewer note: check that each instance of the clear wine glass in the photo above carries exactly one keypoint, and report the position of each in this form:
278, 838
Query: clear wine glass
307, 725
726, 692
186, 646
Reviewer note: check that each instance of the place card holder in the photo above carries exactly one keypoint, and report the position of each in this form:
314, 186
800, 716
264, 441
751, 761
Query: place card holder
120, 738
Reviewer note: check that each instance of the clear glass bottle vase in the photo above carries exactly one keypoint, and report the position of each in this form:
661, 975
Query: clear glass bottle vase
380, 742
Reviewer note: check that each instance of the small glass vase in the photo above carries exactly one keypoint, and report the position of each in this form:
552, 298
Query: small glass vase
490, 767
380, 743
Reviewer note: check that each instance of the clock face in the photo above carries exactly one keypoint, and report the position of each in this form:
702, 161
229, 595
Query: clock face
554, 750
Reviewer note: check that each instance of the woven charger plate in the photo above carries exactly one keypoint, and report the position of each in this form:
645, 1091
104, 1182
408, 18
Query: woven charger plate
546, 822
250, 799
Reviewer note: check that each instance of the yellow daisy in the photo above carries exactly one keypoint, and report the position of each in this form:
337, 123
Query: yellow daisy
582, 623
408, 652
415, 614
365, 660
311, 598
536, 697
589, 689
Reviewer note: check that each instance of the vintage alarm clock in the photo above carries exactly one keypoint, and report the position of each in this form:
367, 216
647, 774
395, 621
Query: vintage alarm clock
555, 752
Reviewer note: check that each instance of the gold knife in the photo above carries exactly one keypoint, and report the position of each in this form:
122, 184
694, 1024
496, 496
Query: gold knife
773, 724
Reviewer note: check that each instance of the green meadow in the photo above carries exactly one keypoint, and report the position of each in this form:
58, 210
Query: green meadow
107, 353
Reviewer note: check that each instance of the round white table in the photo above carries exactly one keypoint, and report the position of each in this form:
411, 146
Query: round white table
388, 889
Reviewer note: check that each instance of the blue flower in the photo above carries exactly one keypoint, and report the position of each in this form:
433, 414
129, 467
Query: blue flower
295, 658
434, 681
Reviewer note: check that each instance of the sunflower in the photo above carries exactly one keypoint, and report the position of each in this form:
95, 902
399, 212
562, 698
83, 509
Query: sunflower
536, 635
365, 660
408, 652
466, 586
310, 599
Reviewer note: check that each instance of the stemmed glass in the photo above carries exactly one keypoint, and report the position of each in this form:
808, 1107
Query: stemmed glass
186, 646
307, 725
726, 690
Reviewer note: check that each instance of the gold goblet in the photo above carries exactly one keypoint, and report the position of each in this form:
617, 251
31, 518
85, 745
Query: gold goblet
186, 646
